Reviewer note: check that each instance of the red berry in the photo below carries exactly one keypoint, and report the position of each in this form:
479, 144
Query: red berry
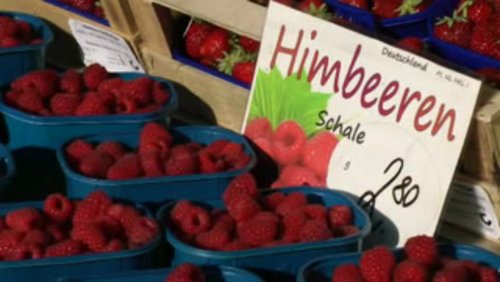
126, 215
195, 221
31, 102
488, 274
77, 150
110, 86
152, 164
273, 200
214, 239
92, 105
292, 202
259, 128
422, 249
410, 271
451, 274
58, 208
340, 216
71, 82
347, 273
37, 237
293, 224
139, 90
143, 231
315, 211
243, 208
214, 46
249, 44
196, 34
182, 161
377, 264
288, 143
8, 27
43, 82
244, 71
315, 231
63, 104
235, 245
154, 138
93, 75
8, 240
127, 167
24, 219
480, 11
186, 273
96, 164
257, 232
64, 249
91, 235
112, 148
318, 152
294, 175
160, 94
240, 186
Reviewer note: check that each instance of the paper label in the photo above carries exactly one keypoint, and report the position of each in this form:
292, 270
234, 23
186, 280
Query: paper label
104, 47
470, 207
356, 114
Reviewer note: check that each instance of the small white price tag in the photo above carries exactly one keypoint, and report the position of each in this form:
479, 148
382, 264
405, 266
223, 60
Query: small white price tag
104, 47
470, 207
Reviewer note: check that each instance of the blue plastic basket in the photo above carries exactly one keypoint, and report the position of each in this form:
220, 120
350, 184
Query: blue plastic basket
7, 170
23, 59
158, 190
183, 58
52, 269
74, 10
213, 273
321, 269
405, 26
26, 130
277, 263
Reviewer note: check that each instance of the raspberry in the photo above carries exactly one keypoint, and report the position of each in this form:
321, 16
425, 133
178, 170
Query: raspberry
95, 164
8, 27
92, 105
488, 274
125, 105
181, 162
10, 42
451, 274
152, 164
295, 175
91, 235
315, 211
64, 104
345, 231
30, 102
71, 82
318, 151
209, 163
9, 239
126, 215
181, 209
293, 223
58, 208
111, 226
100, 200
37, 237
276, 243
64, 249
24, 31
112, 148
154, 138
11, 98
143, 231
293, 201
315, 231
272, 201
257, 232
347, 273
186, 273
214, 239
43, 82
339, 216
288, 143
259, 128
240, 186
235, 245
56, 232
115, 245
264, 147
411, 271
77, 150
222, 219
93, 75
139, 90
232, 152
85, 212
160, 94
24, 219
110, 86
243, 208
128, 167
23, 252
377, 264
422, 249
196, 221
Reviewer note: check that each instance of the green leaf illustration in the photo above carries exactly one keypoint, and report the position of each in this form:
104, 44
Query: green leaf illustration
282, 98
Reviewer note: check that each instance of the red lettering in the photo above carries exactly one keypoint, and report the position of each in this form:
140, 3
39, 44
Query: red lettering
441, 119
372, 83
302, 63
424, 108
325, 74
406, 101
359, 72
389, 91
280, 49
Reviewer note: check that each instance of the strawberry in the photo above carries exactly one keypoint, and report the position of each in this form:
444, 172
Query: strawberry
377, 264
244, 71
455, 31
294, 175
480, 11
249, 44
318, 152
92, 105
63, 104
77, 150
215, 45
339, 216
386, 8
347, 273
362, 4
44, 82
127, 167
86, 6
24, 219
288, 143
307, 5
257, 232
31, 102
186, 273
112, 148
413, 44
71, 81
482, 40
58, 208
411, 271
410, 7
195, 36
138, 90
95, 164
93, 75
422, 249
8, 27
314, 231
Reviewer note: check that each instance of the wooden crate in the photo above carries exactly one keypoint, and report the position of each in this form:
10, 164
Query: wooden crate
456, 234
64, 51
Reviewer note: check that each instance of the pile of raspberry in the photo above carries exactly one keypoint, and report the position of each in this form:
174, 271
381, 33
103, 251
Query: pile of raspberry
186, 273
156, 156
67, 228
94, 92
422, 263
14, 33
255, 221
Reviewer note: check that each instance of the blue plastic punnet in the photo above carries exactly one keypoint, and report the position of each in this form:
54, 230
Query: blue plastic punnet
275, 263
212, 273
20, 60
27, 130
52, 269
321, 269
158, 190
